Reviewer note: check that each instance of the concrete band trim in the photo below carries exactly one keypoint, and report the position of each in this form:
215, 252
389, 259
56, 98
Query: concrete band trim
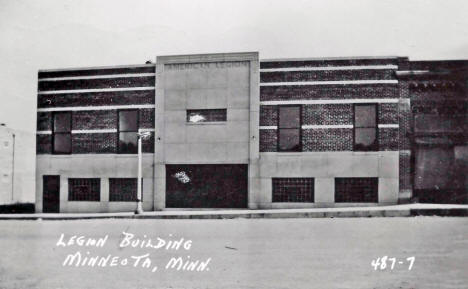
104, 107
97, 76
327, 68
330, 101
312, 126
96, 90
343, 82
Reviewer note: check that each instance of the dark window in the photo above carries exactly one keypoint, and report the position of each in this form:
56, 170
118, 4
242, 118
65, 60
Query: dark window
84, 189
128, 131
61, 133
123, 190
365, 127
206, 115
293, 189
289, 128
356, 190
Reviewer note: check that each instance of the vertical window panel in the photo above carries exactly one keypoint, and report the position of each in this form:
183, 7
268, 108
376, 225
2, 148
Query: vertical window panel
289, 128
365, 127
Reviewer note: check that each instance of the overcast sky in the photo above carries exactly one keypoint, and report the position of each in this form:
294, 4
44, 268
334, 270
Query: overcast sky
63, 33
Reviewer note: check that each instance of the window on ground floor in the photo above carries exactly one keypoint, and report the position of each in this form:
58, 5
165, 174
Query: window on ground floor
356, 190
123, 189
84, 189
293, 189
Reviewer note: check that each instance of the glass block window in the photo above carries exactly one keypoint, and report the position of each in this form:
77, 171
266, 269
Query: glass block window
61, 133
356, 190
81, 189
206, 115
289, 128
123, 190
128, 131
293, 189
365, 127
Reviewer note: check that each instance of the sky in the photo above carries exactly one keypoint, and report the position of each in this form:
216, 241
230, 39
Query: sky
50, 34
63, 33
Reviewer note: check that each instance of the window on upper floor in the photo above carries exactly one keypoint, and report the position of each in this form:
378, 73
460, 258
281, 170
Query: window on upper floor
365, 127
61, 133
206, 115
289, 128
128, 131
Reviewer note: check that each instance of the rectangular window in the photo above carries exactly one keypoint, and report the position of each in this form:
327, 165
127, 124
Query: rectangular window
293, 189
123, 190
365, 127
128, 131
81, 189
206, 115
61, 133
356, 190
289, 128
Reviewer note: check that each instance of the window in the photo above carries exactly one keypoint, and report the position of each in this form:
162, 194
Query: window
356, 190
293, 189
206, 115
61, 133
289, 128
128, 131
123, 190
84, 189
365, 127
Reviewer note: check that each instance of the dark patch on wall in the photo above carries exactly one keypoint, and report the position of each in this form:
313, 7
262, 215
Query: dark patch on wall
268, 115
43, 144
98, 119
268, 140
388, 139
44, 121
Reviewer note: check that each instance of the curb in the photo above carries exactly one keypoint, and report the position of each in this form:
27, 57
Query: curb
453, 212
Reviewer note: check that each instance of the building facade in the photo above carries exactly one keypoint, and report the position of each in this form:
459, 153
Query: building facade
232, 131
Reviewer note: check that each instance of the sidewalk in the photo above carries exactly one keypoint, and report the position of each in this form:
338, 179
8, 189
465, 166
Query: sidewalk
407, 210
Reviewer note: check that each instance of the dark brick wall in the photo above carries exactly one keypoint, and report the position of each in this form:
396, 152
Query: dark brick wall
147, 145
43, 144
327, 114
340, 139
268, 140
146, 117
404, 166
98, 119
326, 75
44, 121
328, 92
94, 143
96, 98
388, 113
328, 62
268, 115
97, 83
99, 71
388, 139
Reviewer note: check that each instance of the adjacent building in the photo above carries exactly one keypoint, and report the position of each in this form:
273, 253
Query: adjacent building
232, 131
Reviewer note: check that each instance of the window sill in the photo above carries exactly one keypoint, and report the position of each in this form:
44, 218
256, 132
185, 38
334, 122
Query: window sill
207, 123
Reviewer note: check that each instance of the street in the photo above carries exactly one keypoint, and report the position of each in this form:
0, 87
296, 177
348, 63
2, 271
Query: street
239, 253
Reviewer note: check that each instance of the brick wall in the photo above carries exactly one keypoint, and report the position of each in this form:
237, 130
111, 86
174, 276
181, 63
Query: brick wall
43, 144
388, 139
327, 114
99, 119
328, 62
328, 92
268, 115
316, 140
327, 75
268, 140
94, 143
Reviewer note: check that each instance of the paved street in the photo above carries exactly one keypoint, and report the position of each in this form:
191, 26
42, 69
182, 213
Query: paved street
238, 253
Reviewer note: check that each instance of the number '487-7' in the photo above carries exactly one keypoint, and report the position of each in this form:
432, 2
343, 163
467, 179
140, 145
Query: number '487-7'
385, 262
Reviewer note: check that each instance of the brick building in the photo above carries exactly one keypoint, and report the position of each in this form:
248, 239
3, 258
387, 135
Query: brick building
232, 131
